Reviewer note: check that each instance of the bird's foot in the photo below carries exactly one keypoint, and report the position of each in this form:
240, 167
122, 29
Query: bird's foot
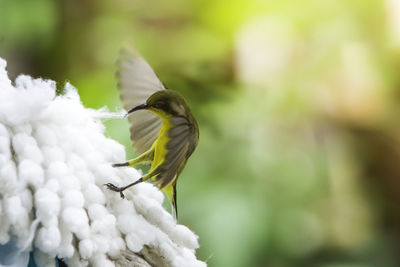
125, 164
114, 188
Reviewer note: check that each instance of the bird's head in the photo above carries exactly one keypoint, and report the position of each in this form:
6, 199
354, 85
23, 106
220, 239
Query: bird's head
164, 103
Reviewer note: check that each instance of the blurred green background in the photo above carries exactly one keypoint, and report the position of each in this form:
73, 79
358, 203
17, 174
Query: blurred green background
298, 162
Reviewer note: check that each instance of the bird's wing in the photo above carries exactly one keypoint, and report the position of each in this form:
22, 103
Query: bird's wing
137, 82
179, 147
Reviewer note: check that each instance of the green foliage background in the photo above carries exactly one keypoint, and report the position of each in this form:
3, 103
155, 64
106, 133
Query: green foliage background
298, 101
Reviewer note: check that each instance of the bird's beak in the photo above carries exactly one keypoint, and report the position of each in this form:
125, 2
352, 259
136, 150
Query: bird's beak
142, 106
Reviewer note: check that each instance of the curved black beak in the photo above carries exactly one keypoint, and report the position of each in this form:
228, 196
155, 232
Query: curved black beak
142, 106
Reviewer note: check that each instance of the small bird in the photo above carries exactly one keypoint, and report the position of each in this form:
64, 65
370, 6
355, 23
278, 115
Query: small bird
163, 129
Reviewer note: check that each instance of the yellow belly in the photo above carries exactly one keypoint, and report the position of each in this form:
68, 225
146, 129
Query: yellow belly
160, 149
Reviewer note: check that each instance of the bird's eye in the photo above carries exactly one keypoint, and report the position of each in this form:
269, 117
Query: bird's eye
157, 106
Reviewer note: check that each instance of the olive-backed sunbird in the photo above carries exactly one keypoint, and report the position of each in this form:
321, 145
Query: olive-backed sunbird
163, 129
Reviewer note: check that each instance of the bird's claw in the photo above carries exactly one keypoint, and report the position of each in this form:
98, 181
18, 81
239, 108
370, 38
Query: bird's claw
114, 188
124, 164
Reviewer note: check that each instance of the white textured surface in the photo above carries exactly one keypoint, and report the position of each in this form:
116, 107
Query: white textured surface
54, 160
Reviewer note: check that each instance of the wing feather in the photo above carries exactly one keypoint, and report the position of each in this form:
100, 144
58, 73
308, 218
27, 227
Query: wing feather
179, 147
137, 82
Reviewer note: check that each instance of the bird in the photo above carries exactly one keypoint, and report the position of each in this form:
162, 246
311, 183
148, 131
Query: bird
163, 129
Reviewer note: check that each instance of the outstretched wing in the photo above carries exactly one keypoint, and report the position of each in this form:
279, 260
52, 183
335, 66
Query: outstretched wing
137, 82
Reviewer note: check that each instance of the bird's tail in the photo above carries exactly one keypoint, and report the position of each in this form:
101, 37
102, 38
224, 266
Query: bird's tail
174, 204
170, 191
